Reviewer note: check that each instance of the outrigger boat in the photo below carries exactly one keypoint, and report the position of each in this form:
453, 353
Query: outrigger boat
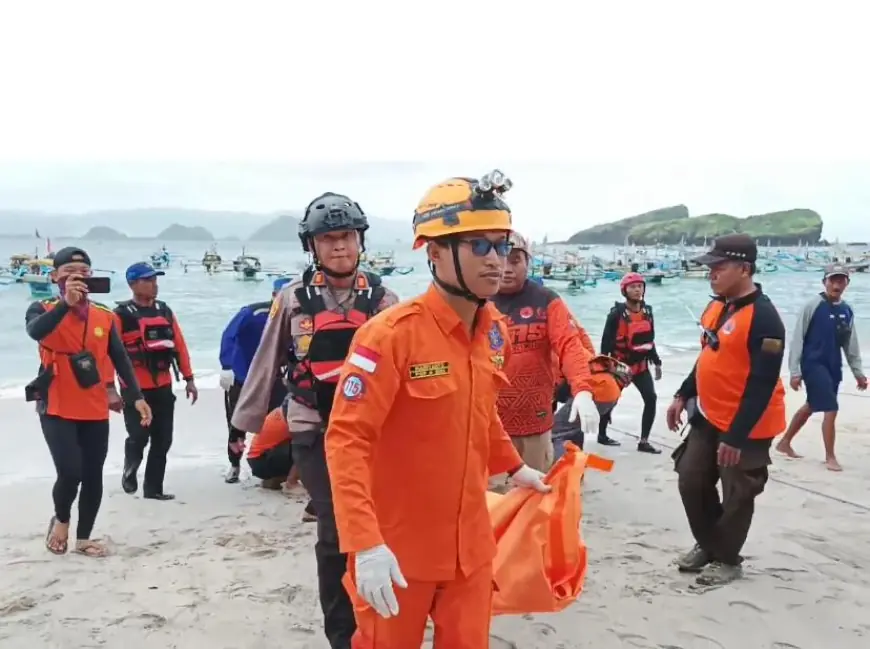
383, 264
161, 259
211, 260
247, 268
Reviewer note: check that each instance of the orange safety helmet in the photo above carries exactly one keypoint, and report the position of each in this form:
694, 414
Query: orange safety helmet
459, 205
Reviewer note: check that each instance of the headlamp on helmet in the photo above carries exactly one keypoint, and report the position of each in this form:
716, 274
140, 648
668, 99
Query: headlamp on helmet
494, 181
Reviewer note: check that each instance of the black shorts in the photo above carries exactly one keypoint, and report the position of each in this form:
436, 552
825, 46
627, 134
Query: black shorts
274, 463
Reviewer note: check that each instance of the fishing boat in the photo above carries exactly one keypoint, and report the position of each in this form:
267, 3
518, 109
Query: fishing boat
28, 271
43, 290
383, 264
247, 268
161, 259
211, 260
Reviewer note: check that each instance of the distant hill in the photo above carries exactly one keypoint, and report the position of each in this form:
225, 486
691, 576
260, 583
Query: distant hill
286, 228
615, 232
104, 233
176, 232
784, 228
283, 228
145, 223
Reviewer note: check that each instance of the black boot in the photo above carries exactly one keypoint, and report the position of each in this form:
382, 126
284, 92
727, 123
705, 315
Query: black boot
645, 447
129, 481
607, 441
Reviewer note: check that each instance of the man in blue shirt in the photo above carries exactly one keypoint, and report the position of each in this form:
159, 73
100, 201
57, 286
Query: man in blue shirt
238, 345
824, 326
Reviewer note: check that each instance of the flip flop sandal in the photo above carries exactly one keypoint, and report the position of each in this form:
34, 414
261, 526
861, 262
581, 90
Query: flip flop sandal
92, 550
64, 546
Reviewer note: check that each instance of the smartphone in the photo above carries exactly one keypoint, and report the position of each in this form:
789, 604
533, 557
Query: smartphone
98, 284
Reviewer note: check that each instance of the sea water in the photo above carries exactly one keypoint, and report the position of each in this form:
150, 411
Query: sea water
205, 303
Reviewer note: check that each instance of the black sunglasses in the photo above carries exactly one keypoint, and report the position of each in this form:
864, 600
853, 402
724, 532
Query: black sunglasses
480, 246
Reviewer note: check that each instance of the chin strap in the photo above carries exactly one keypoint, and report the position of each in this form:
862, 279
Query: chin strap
457, 291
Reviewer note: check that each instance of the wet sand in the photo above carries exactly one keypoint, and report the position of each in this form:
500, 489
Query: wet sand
232, 566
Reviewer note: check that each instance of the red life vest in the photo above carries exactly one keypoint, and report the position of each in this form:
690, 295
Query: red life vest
634, 338
149, 340
314, 379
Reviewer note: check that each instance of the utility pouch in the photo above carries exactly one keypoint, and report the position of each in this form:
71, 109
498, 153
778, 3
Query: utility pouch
84, 368
37, 389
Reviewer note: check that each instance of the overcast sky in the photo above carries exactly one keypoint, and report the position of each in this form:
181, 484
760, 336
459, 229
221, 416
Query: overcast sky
596, 112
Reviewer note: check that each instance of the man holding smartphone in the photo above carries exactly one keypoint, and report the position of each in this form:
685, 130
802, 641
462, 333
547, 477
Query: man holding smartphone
78, 344
154, 342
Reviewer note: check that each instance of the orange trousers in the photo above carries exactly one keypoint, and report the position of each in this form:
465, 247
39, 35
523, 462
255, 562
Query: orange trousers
461, 610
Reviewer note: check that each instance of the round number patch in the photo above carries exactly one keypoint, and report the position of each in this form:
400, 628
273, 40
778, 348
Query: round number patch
353, 387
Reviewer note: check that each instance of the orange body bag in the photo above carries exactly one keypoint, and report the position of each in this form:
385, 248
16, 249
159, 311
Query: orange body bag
540, 563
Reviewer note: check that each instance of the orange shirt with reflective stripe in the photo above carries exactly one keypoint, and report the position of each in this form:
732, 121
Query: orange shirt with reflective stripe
65, 397
409, 457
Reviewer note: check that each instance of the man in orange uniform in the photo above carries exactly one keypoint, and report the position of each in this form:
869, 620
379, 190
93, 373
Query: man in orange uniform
629, 336
154, 342
740, 409
540, 326
414, 433
78, 345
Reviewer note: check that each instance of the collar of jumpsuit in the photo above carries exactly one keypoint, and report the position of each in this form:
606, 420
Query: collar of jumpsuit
448, 320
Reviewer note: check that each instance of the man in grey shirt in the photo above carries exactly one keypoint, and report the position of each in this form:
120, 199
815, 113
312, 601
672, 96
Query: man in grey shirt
825, 325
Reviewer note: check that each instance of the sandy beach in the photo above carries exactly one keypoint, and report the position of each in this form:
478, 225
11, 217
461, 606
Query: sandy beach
232, 566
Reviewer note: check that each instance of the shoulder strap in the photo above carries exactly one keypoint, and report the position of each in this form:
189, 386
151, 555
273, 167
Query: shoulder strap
373, 278
128, 312
310, 300
621, 310
164, 310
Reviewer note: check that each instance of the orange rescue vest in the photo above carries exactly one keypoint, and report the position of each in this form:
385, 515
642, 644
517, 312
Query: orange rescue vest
314, 379
65, 397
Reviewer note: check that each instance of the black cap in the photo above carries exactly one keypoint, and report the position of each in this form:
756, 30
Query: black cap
69, 255
730, 247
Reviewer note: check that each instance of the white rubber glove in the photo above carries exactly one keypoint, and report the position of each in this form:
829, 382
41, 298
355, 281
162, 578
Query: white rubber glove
530, 478
227, 379
584, 409
377, 570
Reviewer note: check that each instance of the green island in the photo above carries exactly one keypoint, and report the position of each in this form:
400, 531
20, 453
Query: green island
672, 225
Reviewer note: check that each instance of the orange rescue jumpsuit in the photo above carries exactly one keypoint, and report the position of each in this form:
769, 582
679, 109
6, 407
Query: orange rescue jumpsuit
413, 435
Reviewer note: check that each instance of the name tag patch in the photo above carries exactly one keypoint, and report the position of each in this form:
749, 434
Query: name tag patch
428, 370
